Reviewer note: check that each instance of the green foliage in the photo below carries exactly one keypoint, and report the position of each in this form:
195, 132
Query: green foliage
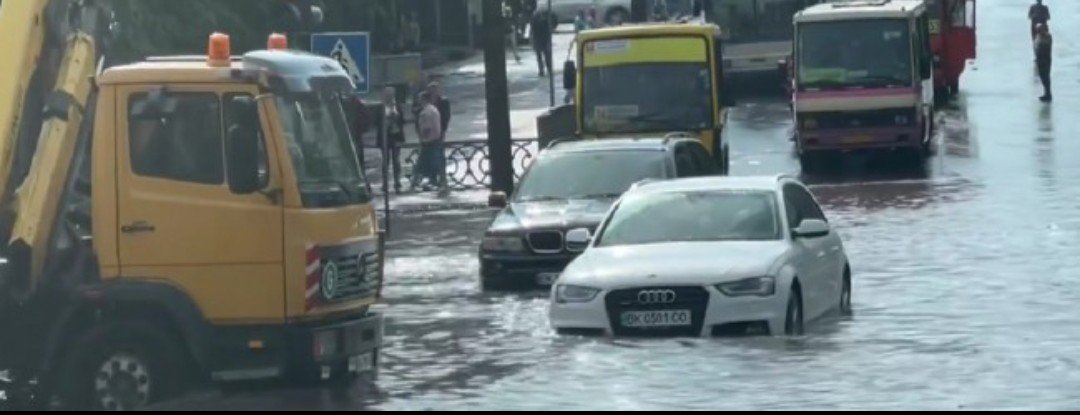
166, 27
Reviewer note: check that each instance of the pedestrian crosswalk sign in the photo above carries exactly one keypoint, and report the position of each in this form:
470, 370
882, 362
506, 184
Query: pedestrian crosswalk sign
352, 50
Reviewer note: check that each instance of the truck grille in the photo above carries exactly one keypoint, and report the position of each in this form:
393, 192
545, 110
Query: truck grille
863, 119
358, 276
695, 299
545, 242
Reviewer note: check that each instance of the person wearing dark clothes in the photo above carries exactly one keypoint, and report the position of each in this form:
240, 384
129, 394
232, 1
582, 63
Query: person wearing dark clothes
1044, 46
359, 123
1038, 14
392, 117
541, 32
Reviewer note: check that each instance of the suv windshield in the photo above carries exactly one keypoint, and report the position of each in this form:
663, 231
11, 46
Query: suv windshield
594, 174
693, 216
862, 53
322, 150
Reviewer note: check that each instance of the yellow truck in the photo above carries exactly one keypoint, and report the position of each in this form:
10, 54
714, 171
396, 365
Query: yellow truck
651, 79
182, 219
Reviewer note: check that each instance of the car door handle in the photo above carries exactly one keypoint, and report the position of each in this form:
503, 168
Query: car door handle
137, 227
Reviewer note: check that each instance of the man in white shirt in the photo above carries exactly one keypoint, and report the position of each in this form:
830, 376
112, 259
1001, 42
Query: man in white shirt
429, 129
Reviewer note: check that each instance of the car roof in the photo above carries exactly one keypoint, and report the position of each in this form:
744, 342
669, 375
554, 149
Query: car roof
714, 183
615, 144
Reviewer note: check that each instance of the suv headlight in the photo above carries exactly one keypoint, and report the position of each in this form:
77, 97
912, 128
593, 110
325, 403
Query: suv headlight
502, 244
575, 294
759, 286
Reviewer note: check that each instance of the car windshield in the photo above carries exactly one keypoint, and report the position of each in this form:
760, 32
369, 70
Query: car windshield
322, 150
594, 174
693, 217
863, 53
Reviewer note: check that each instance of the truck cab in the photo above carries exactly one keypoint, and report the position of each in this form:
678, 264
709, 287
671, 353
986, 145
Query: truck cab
230, 233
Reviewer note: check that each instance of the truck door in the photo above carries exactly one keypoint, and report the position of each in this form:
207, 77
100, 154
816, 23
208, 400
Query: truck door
181, 220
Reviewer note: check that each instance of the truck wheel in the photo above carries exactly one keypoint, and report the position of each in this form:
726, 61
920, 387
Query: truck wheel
122, 366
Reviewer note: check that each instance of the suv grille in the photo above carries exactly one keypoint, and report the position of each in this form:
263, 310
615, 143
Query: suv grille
545, 242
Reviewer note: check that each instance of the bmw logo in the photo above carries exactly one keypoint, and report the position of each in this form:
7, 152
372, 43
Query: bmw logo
329, 280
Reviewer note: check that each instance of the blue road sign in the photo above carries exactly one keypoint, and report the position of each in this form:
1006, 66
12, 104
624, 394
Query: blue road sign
352, 50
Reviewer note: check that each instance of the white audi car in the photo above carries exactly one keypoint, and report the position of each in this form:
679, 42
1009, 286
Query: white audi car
704, 256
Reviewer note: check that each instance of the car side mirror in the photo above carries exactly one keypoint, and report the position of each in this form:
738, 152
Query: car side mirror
811, 228
569, 77
578, 239
243, 147
497, 200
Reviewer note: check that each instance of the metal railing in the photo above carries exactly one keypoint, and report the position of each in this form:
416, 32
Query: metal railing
467, 163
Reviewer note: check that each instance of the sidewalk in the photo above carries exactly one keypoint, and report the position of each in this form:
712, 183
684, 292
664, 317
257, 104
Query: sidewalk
463, 84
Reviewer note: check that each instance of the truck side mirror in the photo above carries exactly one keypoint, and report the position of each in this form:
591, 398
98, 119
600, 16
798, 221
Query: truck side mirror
243, 147
569, 77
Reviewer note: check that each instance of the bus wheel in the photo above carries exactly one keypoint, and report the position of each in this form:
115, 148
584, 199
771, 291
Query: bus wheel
725, 165
954, 88
810, 161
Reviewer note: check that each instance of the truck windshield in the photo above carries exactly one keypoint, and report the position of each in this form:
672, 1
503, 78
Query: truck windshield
321, 149
650, 97
864, 53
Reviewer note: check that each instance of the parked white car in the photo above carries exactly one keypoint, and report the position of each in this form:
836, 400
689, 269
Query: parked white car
704, 256
613, 12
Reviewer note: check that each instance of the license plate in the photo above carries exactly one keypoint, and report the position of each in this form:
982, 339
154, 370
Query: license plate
362, 363
659, 318
860, 139
547, 278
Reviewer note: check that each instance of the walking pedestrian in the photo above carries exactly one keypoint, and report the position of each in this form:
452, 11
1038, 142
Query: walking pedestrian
1044, 46
429, 129
509, 14
1038, 14
541, 33
393, 120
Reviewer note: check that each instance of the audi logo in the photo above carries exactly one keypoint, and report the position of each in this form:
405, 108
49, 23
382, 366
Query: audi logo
650, 297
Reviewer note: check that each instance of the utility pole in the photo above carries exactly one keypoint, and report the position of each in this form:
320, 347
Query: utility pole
551, 65
500, 158
639, 10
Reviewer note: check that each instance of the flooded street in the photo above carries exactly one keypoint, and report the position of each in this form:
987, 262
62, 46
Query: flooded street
965, 271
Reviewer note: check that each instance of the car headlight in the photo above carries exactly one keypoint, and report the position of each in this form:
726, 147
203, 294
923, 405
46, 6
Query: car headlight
502, 244
575, 294
759, 286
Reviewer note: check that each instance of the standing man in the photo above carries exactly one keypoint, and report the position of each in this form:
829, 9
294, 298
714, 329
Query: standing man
1038, 14
442, 104
393, 118
429, 128
359, 123
1044, 46
542, 28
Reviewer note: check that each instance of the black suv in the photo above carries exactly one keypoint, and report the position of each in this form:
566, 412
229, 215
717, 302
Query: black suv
572, 185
